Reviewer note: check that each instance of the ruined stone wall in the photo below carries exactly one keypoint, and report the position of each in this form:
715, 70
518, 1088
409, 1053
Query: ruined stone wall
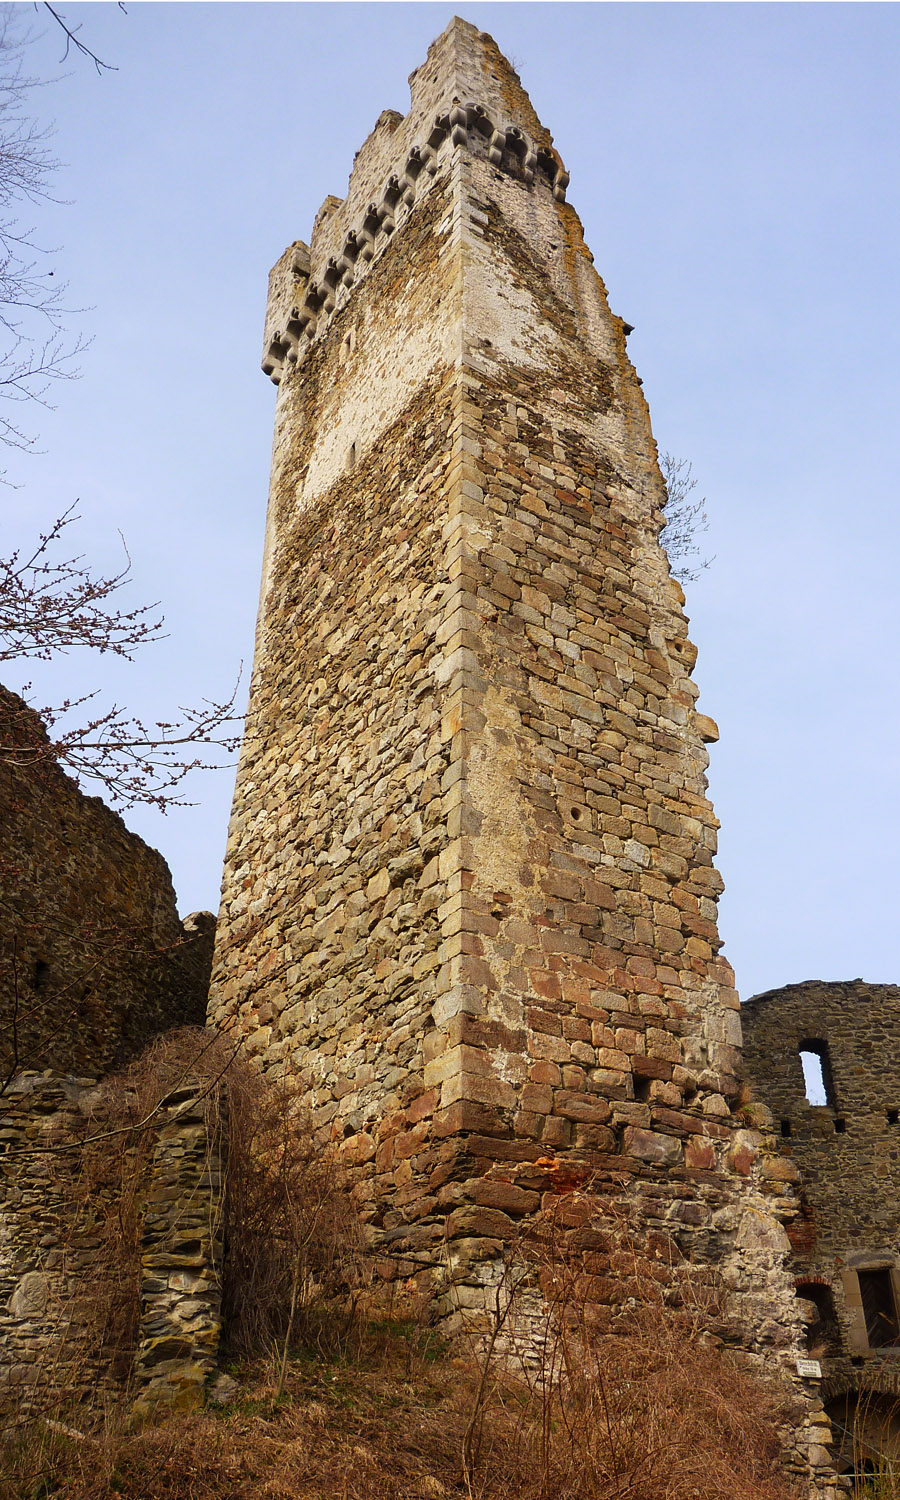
469, 893
94, 960
94, 963
84, 1314
847, 1151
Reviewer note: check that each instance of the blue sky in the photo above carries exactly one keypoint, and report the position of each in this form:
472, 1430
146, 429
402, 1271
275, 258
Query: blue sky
735, 167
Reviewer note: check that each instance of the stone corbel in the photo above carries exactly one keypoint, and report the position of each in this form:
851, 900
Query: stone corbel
439, 132
560, 183
346, 265
369, 231
479, 119
273, 360
384, 211
506, 144
548, 163
392, 192
459, 135
332, 277
420, 159
517, 144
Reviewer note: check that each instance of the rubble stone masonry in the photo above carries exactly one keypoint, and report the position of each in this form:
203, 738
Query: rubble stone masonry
68, 1337
469, 896
94, 964
847, 1148
94, 960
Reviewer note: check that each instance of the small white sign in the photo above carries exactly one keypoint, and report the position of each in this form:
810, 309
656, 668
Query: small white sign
810, 1369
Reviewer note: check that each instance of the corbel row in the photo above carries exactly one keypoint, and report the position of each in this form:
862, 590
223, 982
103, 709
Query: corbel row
470, 125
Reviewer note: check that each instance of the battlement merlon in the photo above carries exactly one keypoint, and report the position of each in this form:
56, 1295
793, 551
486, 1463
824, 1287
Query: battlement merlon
464, 69
288, 279
464, 94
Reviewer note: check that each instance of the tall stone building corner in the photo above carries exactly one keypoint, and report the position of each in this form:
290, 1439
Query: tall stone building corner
469, 900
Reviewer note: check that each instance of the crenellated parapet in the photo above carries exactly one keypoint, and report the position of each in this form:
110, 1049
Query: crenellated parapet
300, 305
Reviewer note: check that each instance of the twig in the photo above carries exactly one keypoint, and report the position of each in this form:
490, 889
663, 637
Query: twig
73, 40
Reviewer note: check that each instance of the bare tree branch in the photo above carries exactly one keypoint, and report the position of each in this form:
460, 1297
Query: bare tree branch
49, 606
686, 520
33, 349
134, 760
73, 40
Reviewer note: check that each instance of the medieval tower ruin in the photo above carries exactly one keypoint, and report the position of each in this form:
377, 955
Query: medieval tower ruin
469, 904
469, 885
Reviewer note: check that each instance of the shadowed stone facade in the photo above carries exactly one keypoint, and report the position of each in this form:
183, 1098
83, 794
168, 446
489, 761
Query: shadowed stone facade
469, 896
846, 1237
94, 959
94, 964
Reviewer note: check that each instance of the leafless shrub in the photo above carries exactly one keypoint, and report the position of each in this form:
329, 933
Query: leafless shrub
650, 1414
686, 520
645, 1405
295, 1262
641, 1406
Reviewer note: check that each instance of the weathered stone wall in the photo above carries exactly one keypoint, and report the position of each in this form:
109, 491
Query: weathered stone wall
45, 1324
79, 1323
180, 1284
469, 894
848, 1153
94, 961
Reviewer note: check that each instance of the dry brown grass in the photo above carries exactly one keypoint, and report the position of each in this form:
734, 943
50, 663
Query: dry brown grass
650, 1419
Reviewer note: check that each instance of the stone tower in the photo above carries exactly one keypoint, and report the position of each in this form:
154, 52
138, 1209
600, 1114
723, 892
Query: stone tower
469, 897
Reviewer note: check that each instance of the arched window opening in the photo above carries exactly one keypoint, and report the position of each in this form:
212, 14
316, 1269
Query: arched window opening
817, 1078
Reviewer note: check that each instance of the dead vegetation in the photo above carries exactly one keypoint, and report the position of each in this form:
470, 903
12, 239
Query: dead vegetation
647, 1421
294, 1241
339, 1396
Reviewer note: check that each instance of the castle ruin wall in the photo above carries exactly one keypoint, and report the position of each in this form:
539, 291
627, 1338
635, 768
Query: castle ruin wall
94, 964
845, 1143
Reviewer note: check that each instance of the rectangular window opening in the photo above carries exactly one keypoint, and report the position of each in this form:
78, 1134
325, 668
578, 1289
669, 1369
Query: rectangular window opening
893, 1116
879, 1308
817, 1078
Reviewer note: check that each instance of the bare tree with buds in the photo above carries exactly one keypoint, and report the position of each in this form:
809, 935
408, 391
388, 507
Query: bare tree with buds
52, 601
51, 604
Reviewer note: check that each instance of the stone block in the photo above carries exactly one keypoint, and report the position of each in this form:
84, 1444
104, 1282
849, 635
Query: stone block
650, 1146
474, 1220
587, 1109
489, 1192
